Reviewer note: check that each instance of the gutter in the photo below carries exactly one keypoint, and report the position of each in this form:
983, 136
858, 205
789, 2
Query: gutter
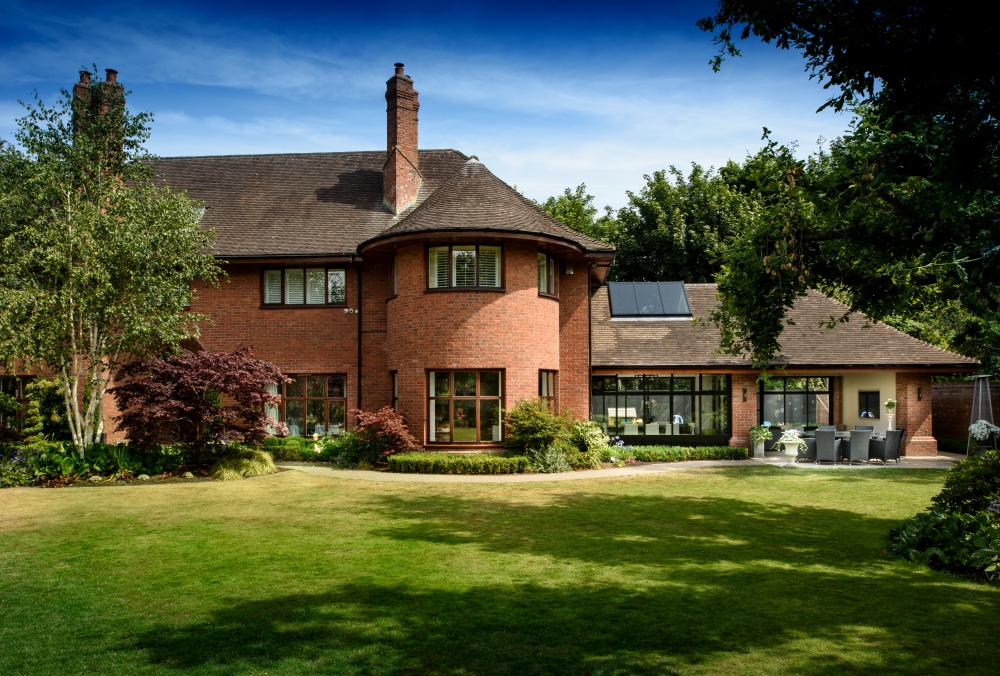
358, 271
590, 336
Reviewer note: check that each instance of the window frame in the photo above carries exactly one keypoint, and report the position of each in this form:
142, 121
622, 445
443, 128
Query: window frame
784, 391
21, 383
548, 380
647, 389
451, 398
451, 257
862, 394
305, 398
305, 291
394, 375
551, 274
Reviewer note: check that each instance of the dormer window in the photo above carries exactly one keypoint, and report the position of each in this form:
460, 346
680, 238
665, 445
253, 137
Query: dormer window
464, 266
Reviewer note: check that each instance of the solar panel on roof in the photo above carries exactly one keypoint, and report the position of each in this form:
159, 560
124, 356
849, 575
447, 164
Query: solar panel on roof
648, 299
622, 299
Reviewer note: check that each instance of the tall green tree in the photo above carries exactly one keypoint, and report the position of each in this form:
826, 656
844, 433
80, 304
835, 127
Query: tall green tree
900, 218
96, 259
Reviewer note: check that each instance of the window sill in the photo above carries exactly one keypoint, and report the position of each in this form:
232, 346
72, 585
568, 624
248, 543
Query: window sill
304, 307
460, 289
459, 446
550, 296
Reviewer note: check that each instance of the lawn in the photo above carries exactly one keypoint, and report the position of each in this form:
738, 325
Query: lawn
733, 571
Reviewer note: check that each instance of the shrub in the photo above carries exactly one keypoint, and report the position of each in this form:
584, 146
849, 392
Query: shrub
961, 543
290, 448
197, 399
532, 425
970, 485
243, 461
51, 408
549, 460
446, 463
590, 444
380, 434
681, 453
346, 449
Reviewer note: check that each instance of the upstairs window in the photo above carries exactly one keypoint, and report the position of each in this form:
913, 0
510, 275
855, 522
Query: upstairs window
464, 266
297, 287
546, 274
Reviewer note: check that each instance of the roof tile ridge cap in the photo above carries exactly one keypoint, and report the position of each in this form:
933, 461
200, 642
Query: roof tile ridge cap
255, 155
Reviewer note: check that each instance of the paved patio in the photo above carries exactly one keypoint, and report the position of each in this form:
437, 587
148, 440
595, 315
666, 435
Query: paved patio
941, 461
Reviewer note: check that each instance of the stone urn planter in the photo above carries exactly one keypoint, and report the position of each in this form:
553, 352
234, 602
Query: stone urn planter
758, 449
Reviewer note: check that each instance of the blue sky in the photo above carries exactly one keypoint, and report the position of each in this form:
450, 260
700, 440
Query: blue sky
547, 95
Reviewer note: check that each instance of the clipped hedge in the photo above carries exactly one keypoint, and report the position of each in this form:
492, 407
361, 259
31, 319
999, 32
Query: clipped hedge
446, 463
681, 453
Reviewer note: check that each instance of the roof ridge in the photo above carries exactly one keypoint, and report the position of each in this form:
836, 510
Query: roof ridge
313, 154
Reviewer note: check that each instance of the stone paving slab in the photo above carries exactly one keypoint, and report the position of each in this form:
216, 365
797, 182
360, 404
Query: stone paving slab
941, 461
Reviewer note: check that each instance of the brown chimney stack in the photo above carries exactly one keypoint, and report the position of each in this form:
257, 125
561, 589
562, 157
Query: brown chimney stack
401, 173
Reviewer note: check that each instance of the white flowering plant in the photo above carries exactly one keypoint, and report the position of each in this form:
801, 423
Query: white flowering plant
890, 405
789, 436
982, 430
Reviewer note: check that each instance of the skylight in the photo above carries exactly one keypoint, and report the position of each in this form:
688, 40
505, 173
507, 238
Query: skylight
648, 299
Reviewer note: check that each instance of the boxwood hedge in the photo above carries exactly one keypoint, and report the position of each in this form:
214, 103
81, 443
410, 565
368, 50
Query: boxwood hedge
447, 463
681, 453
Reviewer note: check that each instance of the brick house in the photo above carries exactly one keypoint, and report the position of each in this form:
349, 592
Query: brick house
417, 279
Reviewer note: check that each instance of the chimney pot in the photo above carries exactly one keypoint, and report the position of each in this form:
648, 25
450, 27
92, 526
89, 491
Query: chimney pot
399, 68
85, 77
112, 75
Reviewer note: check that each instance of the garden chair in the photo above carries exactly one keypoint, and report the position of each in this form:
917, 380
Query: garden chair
826, 428
865, 428
807, 452
886, 449
827, 446
860, 440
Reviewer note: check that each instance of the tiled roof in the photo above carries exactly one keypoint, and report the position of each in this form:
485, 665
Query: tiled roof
296, 204
474, 199
858, 343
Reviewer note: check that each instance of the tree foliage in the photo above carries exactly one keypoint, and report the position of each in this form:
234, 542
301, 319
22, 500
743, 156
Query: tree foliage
382, 433
900, 218
198, 399
96, 259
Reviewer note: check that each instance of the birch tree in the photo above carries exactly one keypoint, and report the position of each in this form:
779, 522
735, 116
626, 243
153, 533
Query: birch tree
97, 258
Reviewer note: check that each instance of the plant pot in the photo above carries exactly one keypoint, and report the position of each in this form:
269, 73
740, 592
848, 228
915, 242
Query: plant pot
791, 448
758, 449
891, 417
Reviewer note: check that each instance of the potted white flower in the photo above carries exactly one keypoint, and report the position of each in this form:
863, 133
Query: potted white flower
890, 407
791, 440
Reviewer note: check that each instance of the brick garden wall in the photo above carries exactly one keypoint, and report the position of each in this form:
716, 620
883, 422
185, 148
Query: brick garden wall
952, 404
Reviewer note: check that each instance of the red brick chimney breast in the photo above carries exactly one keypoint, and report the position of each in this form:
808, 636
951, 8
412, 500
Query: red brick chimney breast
401, 173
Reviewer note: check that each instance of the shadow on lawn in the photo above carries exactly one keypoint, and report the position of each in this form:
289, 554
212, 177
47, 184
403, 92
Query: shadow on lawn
783, 574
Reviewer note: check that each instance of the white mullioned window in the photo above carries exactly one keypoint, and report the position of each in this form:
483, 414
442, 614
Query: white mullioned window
464, 266
304, 286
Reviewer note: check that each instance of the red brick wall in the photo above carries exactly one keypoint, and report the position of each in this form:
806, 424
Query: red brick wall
573, 386
376, 383
515, 330
744, 413
952, 405
838, 400
401, 178
915, 416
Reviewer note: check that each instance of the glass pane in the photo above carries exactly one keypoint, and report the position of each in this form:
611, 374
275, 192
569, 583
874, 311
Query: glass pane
552, 275
657, 383
395, 279
714, 414
658, 408
465, 384
674, 298
795, 384
819, 409
315, 417
336, 281
464, 266
598, 413
795, 411
272, 286
683, 414
713, 383
440, 387
774, 409
489, 266
336, 386
774, 385
647, 297
684, 383
295, 287
542, 273
314, 386
439, 274
622, 297
630, 383
489, 420
338, 417
634, 409
441, 428
543, 384
294, 388
293, 417
316, 286
489, 383
465, 420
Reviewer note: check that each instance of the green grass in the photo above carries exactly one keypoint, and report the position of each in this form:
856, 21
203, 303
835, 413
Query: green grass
716, 571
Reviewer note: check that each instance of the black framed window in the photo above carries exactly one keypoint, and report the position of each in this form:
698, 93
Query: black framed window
395, 278
796, 400
305, 286
468, 266
395, 391
315, 404
547, 267
661, 405
868, 405
465, 406
15, 387
547, 388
